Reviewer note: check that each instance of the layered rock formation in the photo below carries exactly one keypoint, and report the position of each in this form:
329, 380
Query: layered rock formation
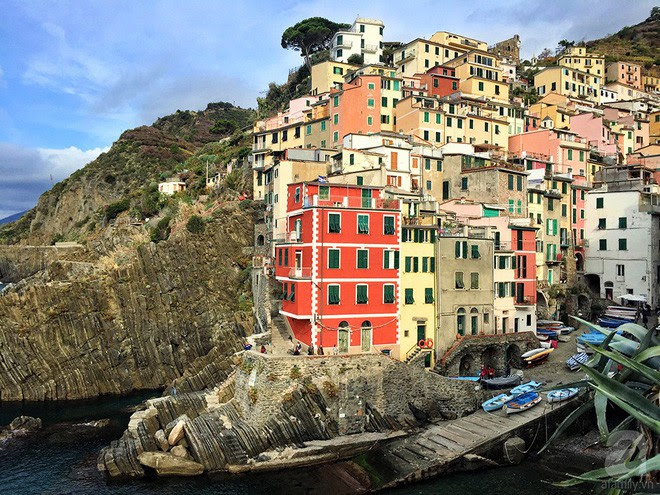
269, 411
136, 321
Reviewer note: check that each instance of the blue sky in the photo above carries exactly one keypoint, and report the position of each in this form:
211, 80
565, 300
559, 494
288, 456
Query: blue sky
75, 74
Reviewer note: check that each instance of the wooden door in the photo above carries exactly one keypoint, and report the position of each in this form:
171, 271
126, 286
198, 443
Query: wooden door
342, 345
394, 158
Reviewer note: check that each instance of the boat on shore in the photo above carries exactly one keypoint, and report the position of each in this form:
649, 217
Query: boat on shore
539, 357
532, 352
496, 402
522, 402
530, 386
576, 360
501, 382
562, 394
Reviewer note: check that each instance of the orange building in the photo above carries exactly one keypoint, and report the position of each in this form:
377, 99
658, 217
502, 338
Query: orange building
355, 109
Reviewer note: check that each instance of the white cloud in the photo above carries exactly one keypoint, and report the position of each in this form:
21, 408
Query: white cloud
28, 172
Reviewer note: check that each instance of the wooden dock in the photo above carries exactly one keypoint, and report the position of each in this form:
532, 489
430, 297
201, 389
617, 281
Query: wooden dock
449, 445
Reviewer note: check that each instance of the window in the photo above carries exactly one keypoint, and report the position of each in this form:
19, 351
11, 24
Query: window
426, 117
460, 249
388, 225
362, 296
460, 321
602, 223
602, 245
464, 183
351, 159
459, 123
338, 70
335, 101
388, 293
292, 294
415, 264
459, 280
324, 192
371, 86
569, 154
370, 102
623, 222
563, 210
335, 136
391, 259
620, 270
333, 294
510, 182
448, 121
363, 224
475, 251
383, 101
410, 299
600, 202
519, 183
286, 257
474, 280
333, 258
428, 296
486, 126
428, 185
296, 196
581, 156
363, 258
438, 165
335, 120
623, 244
370, 120
334, 223
359, 180
481, 85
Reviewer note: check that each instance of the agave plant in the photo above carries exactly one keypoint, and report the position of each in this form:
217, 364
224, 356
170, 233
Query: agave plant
633, 389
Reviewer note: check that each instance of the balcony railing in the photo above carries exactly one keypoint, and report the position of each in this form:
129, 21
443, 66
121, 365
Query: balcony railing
344, 44
301, 273
406, 55
524, 301
349, 202
369, 48
289, 238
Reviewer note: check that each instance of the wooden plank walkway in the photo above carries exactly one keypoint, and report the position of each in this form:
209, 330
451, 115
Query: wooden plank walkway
433, 450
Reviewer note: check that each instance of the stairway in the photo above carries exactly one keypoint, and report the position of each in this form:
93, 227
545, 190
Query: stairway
413, 355
279, 334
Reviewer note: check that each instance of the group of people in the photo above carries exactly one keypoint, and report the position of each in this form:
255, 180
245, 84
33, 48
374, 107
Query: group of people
297, 350
247, 346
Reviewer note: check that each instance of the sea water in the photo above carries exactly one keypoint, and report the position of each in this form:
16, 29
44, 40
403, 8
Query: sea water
57, 461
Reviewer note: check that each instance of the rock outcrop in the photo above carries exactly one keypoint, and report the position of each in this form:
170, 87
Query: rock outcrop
170, 464
19, 427
275, 411
130, 323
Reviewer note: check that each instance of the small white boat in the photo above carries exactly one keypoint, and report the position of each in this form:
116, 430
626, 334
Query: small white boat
529, 354
562, 394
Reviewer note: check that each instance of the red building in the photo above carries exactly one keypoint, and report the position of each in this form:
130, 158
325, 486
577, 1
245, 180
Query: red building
339, 266
440, 80
523, 244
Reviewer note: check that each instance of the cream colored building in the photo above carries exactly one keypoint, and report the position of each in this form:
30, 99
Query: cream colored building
578, 57
419, 55
171, 186
568, 82
329, 75
365, 37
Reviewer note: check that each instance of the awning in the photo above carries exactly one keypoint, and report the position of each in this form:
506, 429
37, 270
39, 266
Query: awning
633, 298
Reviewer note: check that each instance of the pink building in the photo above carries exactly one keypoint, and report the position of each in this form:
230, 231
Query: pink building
625, 73
567, 150
578, 195
592, 127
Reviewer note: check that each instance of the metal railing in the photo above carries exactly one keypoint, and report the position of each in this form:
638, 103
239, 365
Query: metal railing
352, 202
369, 48
302, 273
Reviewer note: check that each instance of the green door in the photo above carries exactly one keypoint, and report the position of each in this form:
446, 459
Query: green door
421, 332
366, 337
475, 325
445, 189
342, 346
366, 198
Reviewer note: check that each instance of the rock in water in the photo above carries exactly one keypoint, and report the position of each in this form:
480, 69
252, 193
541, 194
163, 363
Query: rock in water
161, 440
27, 423
176, 434
170, 465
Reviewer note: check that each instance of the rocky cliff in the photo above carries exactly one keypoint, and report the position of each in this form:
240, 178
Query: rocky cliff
135, 319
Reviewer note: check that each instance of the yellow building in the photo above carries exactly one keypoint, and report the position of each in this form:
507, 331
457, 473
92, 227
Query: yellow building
480, 75
651, 84
419, 55
568, 82
654, 127
418, 296
555, 107
328, 75
577, 57
458, 41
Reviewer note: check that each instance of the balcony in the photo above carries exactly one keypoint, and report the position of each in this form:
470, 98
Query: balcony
348, 202
405, 56
503, 246
344, 44
524, 301
300, 273
564, 243
369, 48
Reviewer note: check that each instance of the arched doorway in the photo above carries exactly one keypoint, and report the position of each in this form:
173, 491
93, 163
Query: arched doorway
513, 356
466, 367
260, 240
489, 357
579, 262
365, 335
343, 337
474, 321
593, 282
609, 290
460, 321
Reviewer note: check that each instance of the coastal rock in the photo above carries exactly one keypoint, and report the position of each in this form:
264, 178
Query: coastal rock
176, 434
170, 465
180, 451
161, 440
26, 423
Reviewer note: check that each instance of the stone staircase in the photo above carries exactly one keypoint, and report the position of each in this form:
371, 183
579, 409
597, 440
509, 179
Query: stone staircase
413, 355
280, 335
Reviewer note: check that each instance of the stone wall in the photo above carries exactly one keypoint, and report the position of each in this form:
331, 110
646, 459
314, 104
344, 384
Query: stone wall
496, 351
19, 262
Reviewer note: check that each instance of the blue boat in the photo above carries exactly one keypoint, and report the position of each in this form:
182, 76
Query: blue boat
611, 322
525, 388
468, 378
562, 394
496, 402
522, 402
548, 333
591, 338
576, 360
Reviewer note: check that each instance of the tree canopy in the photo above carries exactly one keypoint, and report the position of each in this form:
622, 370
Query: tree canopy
310, 36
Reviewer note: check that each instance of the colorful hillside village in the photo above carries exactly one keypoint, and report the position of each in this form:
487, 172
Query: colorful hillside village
413, 201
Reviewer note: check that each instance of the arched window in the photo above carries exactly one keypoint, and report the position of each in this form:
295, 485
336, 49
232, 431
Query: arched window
260, 240
460, 321
366, 335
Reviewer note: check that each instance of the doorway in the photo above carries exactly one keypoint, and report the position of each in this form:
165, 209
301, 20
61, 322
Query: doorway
342, 337
366, 336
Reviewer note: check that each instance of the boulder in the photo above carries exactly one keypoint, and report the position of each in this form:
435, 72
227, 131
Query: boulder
26, 423
180, 451
514, 450
161, 440
176, 434
166, 464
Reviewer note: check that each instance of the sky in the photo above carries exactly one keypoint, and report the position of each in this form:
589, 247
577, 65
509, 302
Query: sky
74, 74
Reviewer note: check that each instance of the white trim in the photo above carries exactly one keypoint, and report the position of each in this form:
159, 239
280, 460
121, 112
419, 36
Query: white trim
393, 217
393, 293
295, 316
395, 247
328, 296
358, 315
328, 256
328, 220
357, 223
360, 279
